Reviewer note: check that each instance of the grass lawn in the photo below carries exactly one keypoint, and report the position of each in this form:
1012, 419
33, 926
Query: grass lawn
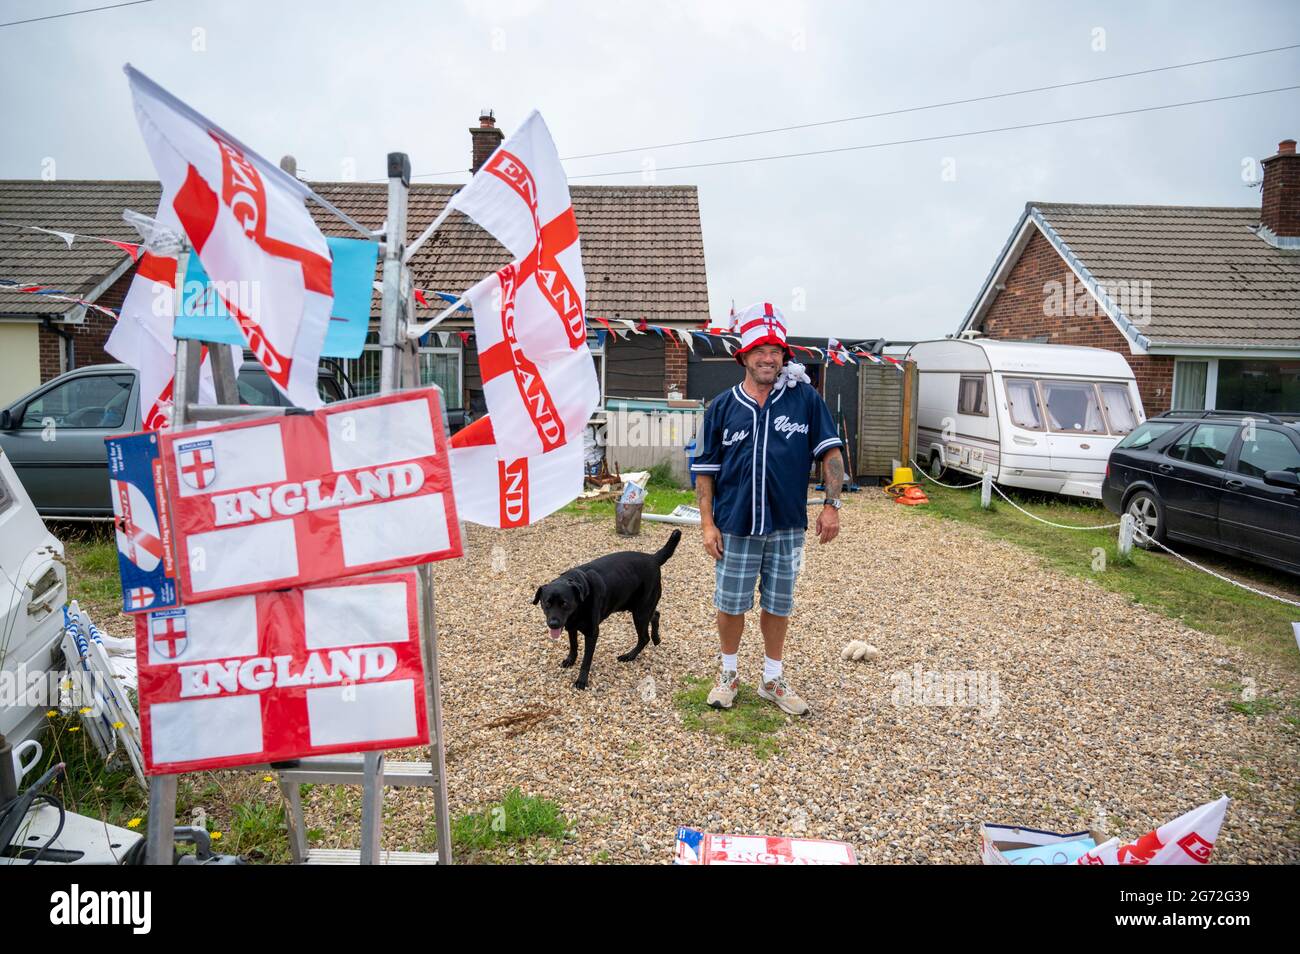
1153, 580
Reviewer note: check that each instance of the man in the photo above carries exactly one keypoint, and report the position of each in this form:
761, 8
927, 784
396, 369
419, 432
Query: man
756, 448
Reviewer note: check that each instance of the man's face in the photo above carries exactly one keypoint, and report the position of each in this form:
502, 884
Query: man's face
763, 363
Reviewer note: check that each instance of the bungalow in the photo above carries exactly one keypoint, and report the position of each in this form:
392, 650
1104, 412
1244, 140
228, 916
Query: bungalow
1204, 303
642, 249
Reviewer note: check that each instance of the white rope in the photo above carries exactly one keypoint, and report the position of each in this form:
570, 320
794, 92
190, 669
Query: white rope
1059, 526
1141, 532
921, 470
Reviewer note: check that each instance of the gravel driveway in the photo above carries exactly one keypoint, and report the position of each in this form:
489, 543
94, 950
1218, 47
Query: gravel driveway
1091, 709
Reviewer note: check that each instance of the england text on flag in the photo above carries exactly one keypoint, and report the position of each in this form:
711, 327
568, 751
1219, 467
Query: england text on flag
282, 675
539, 380
496, 492
247, 221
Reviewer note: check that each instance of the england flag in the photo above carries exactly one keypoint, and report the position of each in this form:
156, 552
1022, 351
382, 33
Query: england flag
539, 379
498, 492
247, 221
282, 675
356, 487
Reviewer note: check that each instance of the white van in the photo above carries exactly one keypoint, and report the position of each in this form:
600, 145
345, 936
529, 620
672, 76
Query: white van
1038, 416
33, 589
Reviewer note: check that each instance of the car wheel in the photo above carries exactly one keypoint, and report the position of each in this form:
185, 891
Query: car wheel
1148, 518
936, 468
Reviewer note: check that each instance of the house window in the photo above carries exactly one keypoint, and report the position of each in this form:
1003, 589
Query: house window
441, 366
971, 396
595, 344
1258, 385
1190, 380
1022, 401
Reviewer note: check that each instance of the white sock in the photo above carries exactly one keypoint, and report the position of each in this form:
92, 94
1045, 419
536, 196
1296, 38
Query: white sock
771, 669
729, 662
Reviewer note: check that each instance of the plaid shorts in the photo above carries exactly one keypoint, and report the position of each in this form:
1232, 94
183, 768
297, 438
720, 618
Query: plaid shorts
772, 560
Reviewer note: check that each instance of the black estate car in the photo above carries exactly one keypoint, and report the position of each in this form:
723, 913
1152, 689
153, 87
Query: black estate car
1226, 480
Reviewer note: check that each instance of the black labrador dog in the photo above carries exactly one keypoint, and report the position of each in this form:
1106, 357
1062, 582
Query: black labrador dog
580, 599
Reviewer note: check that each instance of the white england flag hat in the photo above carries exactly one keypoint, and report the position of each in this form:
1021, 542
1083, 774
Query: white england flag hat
760, 324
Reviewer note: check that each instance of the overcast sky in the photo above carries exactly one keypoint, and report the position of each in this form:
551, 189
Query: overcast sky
891, 242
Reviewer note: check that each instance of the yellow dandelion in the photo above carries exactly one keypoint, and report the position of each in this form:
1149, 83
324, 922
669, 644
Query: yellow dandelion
216, 836
52, 713
74, 728
134, 823
267, 778
119, 725
84, 710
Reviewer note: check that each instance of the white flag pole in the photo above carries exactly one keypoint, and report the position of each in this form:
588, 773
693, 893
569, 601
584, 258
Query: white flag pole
419, 331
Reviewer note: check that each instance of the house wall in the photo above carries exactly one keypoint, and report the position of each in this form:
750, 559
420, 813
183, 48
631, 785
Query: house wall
88, 337
1020, 311
19, 361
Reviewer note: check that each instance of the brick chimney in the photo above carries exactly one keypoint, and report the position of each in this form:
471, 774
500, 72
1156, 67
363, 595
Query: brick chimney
1280, 209
486, 137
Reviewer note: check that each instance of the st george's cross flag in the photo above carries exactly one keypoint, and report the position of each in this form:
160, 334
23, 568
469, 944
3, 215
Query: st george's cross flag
498, 492
282, 675
357, 486
247, 220
1187, 840
539, 379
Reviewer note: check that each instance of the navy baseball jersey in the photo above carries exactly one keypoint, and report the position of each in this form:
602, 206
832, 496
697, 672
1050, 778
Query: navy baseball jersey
759, 457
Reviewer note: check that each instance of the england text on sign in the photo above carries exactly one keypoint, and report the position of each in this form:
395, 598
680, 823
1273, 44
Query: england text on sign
298, 672
355, 487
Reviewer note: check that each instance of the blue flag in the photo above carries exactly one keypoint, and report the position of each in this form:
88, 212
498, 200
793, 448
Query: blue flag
204, 315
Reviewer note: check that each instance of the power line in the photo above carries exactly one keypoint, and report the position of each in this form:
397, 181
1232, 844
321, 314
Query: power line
961, 135
909, 109
73, 13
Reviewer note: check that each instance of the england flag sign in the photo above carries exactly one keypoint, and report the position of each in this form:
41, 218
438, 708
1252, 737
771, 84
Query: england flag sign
353, 488
282, 675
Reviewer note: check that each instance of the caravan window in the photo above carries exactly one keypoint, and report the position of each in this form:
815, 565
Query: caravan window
1073, 406
1022, 400
971, 398
1119, 408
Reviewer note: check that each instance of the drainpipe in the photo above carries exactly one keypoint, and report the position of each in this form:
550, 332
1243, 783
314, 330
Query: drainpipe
70, 352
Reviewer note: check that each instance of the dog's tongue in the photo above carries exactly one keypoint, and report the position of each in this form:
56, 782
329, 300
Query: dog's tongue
555, 632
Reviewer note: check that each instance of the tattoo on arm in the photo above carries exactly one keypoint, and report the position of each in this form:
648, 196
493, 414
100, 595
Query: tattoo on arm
704, 497
834, 473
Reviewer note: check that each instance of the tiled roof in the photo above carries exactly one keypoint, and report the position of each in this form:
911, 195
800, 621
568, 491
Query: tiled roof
642, 247
1212, 280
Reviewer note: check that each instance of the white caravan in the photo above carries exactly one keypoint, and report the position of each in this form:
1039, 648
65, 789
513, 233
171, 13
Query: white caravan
1038, 416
